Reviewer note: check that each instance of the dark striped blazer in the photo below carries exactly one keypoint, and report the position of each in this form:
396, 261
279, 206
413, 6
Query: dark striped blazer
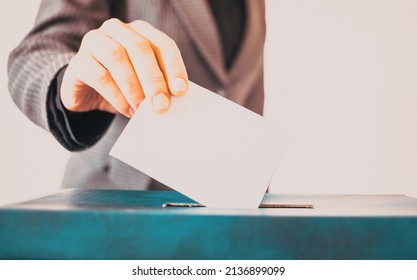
56, 36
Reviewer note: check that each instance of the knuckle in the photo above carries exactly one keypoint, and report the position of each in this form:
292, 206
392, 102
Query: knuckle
110, 23
155, 81
104, 78
115, 21
141, 24
155, 78
142, 45
134, 86
89, 37
117, 52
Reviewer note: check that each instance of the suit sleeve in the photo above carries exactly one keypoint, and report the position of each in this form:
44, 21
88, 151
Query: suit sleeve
75, 131
34, 65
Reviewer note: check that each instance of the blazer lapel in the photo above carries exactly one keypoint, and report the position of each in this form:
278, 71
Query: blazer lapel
201, 25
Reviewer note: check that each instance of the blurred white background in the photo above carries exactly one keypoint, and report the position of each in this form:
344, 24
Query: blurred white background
341, 74
31, 161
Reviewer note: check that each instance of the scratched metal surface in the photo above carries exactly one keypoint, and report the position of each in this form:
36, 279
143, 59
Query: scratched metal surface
110, 224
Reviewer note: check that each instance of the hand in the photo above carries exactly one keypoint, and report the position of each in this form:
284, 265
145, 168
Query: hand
120, 64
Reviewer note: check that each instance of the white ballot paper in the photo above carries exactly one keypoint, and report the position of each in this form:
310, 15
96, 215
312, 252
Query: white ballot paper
206, 147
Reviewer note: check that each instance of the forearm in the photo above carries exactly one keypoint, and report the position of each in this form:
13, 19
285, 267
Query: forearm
30, 76
53, 41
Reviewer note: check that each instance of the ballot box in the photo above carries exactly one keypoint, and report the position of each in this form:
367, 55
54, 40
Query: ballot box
122, 224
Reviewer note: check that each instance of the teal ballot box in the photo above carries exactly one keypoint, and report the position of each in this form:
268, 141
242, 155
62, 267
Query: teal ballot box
115, 224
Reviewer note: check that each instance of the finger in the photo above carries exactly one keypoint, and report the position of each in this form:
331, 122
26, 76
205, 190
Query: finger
76, 95
143, 60
95, 75
168, 56
112, 55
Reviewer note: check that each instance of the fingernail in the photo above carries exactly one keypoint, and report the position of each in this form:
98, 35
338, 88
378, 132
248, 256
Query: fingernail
160, 102
178, 86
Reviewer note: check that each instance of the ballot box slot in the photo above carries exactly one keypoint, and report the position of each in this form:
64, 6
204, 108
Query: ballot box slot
263, 205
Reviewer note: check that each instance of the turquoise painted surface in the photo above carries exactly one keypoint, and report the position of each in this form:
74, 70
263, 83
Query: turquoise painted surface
132, 225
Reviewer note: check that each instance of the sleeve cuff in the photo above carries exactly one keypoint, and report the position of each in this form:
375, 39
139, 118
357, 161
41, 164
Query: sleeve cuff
74, 131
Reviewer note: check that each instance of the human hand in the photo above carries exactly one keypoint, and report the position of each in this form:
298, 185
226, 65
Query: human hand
120, 64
